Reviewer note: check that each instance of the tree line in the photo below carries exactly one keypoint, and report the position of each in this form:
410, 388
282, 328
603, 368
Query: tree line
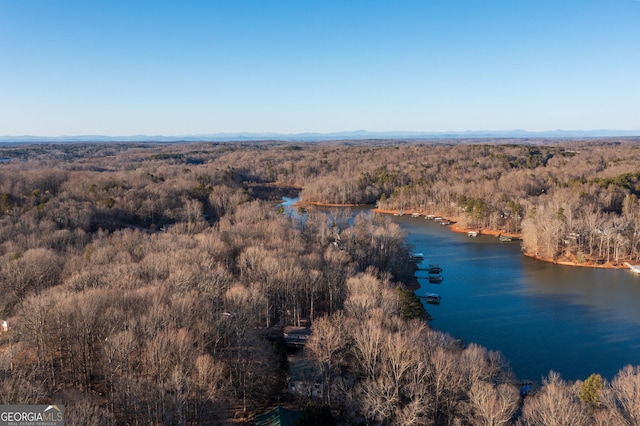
575, 201
149, 284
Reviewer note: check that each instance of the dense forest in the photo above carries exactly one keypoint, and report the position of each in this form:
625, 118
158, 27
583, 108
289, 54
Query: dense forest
576, 201
161, 283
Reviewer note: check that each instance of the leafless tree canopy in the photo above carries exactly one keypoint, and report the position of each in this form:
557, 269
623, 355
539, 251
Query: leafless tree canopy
152, 284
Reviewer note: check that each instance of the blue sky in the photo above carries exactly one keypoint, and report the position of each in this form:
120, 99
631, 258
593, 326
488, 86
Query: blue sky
197, 67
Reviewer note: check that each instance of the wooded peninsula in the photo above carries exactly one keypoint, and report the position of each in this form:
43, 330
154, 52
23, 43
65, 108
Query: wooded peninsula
147, 283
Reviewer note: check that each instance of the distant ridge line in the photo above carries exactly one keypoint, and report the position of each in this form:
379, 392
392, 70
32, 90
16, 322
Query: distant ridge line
312, 137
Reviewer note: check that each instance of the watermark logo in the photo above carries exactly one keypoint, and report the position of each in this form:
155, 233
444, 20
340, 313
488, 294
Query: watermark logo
31, 415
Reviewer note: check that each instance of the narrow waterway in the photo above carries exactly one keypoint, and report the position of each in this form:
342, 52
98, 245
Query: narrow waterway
541, 316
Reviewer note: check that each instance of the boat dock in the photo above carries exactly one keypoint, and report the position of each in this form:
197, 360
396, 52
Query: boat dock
434, 269
634, 268
417, 257
435, 278
433, 298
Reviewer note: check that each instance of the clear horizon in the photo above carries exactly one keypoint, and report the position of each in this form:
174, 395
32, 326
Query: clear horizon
512, 133
206, 67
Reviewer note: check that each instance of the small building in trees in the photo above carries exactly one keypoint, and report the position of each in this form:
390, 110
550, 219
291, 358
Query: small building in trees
296, 337
304, 379
4, 326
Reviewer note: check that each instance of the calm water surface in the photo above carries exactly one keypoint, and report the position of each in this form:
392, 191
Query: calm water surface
541, 316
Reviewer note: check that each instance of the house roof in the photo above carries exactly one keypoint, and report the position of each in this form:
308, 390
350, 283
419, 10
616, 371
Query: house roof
279, 416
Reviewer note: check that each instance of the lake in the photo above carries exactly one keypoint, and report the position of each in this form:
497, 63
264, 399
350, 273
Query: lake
575, 321
541, 316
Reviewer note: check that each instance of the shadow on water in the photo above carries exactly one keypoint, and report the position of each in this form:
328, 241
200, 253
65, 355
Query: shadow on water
541, 316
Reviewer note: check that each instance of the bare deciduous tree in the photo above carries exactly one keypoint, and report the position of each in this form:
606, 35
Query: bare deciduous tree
493, 405
556, 404
622, 397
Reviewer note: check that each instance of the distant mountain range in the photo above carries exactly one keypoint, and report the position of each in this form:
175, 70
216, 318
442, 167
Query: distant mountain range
313, 137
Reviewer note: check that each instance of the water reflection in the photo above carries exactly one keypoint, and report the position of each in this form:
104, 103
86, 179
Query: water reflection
614, 292
541, 316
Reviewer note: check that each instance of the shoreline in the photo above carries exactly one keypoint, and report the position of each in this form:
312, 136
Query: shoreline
303, 204
495, 233
567, 262
456, 228
481, 231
